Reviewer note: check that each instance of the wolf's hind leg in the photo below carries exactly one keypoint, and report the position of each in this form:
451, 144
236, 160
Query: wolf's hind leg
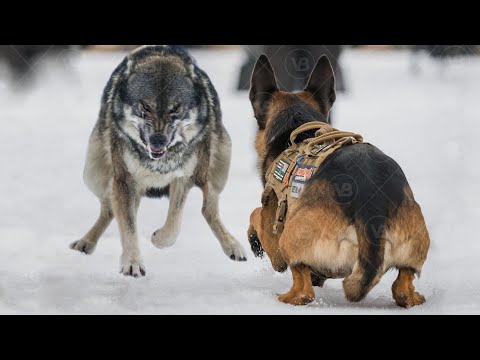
167, 235
89, 241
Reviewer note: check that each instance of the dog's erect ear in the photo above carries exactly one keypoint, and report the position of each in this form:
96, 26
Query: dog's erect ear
322, 84
263, 86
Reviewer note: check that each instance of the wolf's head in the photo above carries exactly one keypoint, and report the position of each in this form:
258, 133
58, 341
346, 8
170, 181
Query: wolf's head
159, 102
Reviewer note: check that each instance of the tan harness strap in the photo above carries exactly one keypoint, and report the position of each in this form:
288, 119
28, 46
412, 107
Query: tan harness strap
340, 138
280, 215
310, 126
289, 172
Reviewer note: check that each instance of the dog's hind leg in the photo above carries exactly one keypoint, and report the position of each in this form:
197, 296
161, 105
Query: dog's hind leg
167, 235
403, 290
216, 179
88, 242
408, 244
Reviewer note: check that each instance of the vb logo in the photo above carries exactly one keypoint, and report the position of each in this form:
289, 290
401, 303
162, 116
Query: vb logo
377, 230
301, 64
344, 190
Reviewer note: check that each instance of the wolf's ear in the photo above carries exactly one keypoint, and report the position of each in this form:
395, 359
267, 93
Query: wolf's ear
263, 86
322, 84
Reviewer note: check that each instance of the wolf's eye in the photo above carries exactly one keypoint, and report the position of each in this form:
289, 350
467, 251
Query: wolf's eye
145, 110
175, 110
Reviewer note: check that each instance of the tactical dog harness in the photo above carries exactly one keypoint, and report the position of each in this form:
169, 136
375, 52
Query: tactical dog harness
291, 170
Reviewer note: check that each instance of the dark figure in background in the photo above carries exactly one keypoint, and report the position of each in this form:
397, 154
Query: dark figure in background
445, 51
21, 59
292, 64
442, 53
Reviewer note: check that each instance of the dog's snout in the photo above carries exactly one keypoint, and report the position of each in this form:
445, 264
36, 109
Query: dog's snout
158, 141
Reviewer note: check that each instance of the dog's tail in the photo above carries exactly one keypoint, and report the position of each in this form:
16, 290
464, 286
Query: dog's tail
368, 270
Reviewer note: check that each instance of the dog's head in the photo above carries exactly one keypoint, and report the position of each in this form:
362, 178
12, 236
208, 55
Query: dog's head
159, 103
278, 113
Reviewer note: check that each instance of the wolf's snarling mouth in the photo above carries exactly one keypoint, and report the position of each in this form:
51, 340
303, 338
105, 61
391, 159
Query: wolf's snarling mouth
156, 145
155, 153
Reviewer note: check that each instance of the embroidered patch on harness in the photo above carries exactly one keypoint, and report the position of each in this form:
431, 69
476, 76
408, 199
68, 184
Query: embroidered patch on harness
301, 176
280, 170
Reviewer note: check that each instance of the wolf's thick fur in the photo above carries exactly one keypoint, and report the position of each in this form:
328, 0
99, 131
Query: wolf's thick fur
356, 217
159, 133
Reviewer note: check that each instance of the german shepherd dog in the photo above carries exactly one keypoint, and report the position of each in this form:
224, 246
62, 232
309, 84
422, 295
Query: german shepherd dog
159, 133
356, 217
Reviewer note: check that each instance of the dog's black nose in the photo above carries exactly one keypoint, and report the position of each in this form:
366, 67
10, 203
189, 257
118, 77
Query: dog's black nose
158, 142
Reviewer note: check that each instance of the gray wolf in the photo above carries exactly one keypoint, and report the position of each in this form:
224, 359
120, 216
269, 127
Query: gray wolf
159, 133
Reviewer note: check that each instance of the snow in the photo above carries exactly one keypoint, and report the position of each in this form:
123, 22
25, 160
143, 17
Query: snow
427, 122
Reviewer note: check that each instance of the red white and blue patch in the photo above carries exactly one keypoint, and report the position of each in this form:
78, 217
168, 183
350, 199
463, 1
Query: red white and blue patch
302, 174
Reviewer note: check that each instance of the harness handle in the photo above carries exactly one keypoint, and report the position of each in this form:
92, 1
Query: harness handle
321, 126
336, 136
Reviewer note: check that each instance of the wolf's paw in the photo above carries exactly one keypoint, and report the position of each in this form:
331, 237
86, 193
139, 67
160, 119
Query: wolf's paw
163, 238
234, 251
83, 246
132, 268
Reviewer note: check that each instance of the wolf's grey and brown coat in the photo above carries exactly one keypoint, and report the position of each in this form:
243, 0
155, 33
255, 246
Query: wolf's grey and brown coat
355, 218
159, 133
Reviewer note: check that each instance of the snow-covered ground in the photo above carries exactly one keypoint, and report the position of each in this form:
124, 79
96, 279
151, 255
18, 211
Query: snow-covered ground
428, 122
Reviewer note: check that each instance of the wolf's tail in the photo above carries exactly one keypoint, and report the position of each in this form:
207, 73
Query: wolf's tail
368, 269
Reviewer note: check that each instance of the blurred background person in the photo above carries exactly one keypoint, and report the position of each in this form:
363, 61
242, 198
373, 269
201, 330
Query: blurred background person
22, 60
441, 53
292, 64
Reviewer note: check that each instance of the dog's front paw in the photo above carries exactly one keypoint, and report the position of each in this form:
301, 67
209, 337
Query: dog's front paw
297, 299
133, 268
83, 246
163, 238
234, 250
410, 300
